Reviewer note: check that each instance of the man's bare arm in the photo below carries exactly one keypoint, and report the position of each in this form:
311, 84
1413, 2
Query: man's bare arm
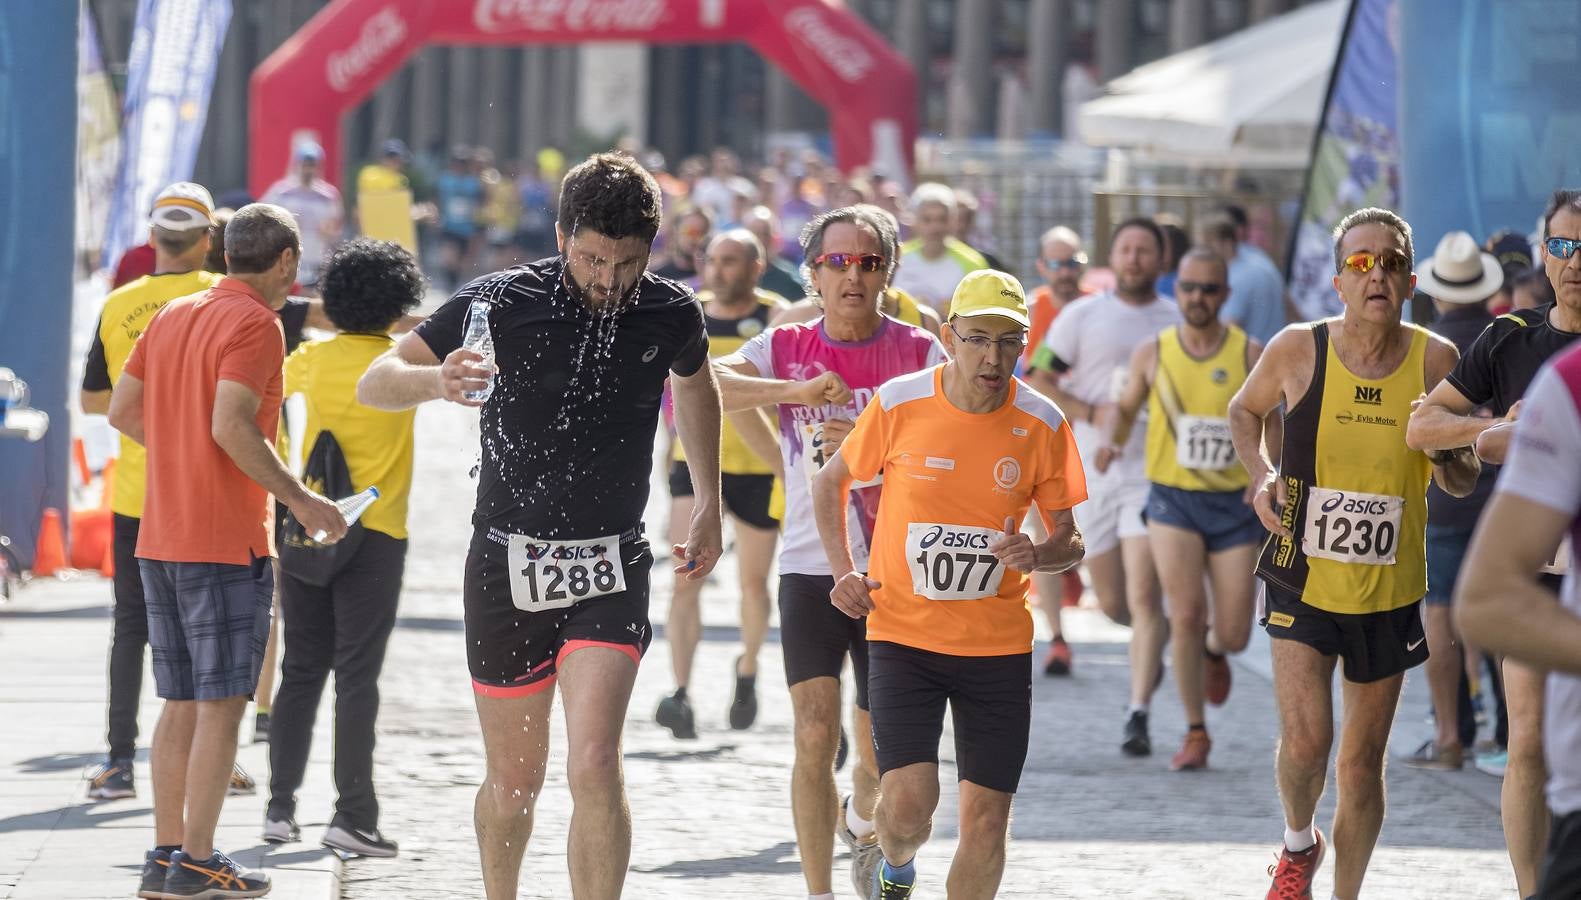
742, 387
831, 492
1444, 421
758, 434
1500, 603
1455, 468
233, 425
1048, 384
94, 403
409, 374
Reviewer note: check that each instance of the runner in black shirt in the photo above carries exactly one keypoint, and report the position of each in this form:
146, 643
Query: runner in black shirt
1496, 372
558, 564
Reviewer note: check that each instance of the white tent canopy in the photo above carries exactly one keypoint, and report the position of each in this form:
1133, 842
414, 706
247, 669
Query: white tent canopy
1256, 93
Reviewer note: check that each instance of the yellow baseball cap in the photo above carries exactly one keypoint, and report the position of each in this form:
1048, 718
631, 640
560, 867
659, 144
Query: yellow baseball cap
989, 292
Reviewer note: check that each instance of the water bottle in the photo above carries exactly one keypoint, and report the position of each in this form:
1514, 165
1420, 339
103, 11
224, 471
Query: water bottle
351, 509
479, 340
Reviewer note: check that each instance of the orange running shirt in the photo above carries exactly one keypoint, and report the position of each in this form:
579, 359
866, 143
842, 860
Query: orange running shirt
951, 478
200, 507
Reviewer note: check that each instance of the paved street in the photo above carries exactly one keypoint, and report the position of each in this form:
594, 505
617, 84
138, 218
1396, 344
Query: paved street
711, 816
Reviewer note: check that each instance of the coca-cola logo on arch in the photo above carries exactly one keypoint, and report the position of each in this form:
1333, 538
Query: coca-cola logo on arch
383, 32
846, 55
569, 15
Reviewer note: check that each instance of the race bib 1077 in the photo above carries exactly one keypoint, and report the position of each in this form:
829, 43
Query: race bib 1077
952, 562
549, 575
1352, 527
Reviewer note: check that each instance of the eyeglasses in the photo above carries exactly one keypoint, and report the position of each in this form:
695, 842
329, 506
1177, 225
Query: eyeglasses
1075, 262
1363, 262
867, 262
1561, 248
1205, 288
978, 342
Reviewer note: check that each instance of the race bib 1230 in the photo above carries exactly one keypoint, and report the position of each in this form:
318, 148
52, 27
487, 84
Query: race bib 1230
1352, 527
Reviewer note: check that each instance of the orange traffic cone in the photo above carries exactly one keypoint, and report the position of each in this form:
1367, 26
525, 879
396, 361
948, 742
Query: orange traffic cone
79, 455
90, 534
50, 555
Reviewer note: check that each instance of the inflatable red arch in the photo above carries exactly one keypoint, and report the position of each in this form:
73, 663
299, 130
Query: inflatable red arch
351, 46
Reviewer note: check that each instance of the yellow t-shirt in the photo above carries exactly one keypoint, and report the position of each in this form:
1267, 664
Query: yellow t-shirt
374, 177
377, 444
126, 313
951, 479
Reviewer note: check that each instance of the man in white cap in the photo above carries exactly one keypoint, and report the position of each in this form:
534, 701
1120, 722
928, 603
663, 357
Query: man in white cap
317, 206
1460, 278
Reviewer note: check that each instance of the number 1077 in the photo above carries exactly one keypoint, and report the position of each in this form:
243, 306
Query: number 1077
942, 570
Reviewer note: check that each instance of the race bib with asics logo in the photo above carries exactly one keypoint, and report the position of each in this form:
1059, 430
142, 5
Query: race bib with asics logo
1560, 564
1203, 442
814, 455
549, 575
1352, 527
952, 562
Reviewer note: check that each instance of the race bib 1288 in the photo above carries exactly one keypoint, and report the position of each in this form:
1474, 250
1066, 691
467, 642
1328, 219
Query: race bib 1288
555, 574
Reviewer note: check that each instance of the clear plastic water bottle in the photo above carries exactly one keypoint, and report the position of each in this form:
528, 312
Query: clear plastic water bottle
479, 340
351, 509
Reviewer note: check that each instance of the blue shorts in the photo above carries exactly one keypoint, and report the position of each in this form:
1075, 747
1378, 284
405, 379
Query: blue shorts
1222, 518
208, 624
1446, 549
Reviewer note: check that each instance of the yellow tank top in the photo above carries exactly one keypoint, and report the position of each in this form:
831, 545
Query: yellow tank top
1188, 426
905, 307
725, 336
1358, 494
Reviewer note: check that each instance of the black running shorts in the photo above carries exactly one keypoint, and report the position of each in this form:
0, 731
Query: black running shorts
1562, 868
815, 637
1373, 646
745, 496
990, 700
512, 653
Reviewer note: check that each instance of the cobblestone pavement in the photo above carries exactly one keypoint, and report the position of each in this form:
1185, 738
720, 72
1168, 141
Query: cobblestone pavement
711, 816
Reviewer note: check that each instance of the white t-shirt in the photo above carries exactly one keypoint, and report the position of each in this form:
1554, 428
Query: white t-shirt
318, 211
1094, 337
1542, 468
931, 281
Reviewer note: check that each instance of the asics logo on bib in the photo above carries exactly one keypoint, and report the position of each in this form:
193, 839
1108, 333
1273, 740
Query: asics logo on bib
954, 540
1354, 505
539, 551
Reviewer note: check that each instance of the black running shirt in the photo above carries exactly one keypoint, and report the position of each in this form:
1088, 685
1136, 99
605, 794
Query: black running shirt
1501, 364
568, 432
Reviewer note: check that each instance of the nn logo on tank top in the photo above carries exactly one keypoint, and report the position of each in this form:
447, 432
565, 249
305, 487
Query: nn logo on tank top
1372, 396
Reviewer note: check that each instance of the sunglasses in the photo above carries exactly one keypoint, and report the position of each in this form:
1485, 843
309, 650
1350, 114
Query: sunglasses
1363, 262
1205, 288
978, 342
1075, 262
867, 262
1561, 248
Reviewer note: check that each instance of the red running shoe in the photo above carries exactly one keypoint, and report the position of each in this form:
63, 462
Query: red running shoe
1215, 678
1294, 872
1193, 753
1058, 662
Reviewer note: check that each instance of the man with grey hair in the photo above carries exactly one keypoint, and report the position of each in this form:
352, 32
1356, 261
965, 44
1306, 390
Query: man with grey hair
934, 262
1346, 508
201, 392
819, 376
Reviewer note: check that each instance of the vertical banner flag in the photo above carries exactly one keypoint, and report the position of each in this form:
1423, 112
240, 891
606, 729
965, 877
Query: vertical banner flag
169, 76
98, 138
1356, 153
1492, 120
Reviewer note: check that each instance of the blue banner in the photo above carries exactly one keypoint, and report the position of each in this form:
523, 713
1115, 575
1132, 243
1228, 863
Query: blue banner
1493, 121
38, 134
1356, 157
169, 76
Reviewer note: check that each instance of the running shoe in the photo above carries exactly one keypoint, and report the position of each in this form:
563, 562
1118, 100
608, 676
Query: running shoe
1215, 677
1058, 662
1136, 742
112, 781
241, 782
675, 713
891, 885
347, 838
1440, 759
1493, 763
865, 853
1294, 872
744, 707
280, 829
215, 878
261, 728
1194, 752
156, 863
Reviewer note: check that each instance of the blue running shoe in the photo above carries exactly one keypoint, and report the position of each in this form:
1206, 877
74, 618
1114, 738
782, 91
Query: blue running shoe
217, 878
890, 883
112, 781
156, 863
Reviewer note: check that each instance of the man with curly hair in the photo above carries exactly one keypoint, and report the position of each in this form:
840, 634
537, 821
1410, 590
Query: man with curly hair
342, 623
556, 585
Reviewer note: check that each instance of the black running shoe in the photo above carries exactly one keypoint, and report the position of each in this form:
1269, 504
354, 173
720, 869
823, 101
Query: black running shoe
156, 863
1136, 742
675, 713
744, 708
347, 838
216, 878
112, 781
